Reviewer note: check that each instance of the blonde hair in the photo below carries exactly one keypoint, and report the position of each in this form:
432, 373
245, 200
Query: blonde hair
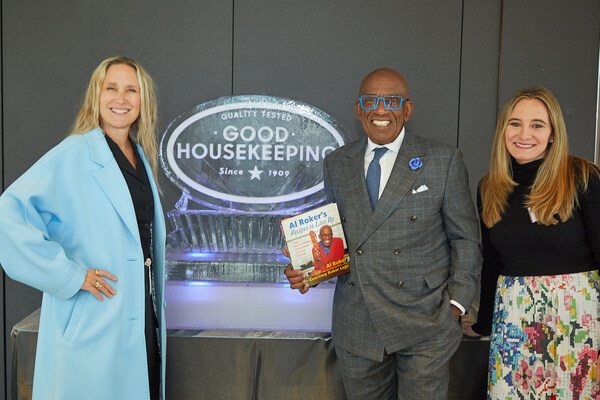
559, 179
143, 130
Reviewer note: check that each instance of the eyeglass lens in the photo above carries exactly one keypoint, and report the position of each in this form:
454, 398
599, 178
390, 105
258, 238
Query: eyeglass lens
389, 102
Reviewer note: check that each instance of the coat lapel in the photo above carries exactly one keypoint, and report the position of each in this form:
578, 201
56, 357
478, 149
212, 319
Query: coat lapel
397, 187
111, 181
356, 171
158, 221
158, 239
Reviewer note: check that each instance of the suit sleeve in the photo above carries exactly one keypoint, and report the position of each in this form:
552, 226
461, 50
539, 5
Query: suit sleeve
462, 233
28, 253
489, 277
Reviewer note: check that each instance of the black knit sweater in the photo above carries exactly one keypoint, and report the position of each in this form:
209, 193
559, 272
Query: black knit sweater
516, 246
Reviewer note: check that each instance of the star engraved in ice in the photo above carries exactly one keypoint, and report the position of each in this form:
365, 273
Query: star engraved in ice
255, 173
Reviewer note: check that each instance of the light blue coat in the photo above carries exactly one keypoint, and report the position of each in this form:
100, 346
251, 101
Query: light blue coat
70, 212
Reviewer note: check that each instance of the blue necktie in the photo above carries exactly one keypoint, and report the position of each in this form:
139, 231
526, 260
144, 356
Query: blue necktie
374, 176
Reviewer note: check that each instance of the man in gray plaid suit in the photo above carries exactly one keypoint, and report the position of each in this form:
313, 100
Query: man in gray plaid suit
415, 257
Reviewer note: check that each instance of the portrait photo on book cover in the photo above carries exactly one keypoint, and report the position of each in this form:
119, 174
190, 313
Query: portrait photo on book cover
326, 250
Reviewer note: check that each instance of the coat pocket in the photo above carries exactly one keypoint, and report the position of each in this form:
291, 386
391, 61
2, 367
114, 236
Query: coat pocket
437, 278
76, 315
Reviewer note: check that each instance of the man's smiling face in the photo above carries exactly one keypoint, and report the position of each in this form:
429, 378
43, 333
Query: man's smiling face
326, 236
383, 126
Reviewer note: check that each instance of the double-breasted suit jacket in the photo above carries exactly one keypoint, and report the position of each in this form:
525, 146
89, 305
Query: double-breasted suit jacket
417, 251
72, 211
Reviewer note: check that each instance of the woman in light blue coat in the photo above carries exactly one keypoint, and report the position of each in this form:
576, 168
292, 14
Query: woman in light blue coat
85, 226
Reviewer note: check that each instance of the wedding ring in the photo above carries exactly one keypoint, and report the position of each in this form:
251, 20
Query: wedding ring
97, 273
98, 284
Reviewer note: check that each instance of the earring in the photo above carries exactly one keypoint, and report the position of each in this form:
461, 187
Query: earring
551, 140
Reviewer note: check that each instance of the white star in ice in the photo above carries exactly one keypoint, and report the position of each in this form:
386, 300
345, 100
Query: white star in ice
255, 173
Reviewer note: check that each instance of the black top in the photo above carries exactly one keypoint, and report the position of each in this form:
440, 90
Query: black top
140, 190
516, 246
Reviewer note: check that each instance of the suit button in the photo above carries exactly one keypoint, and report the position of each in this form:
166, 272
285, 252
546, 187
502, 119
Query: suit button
397, 251
343, 219
400, 283
359, 252
413, 218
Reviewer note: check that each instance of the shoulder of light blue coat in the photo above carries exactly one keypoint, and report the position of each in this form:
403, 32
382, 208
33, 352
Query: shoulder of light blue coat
68, 150
25, 216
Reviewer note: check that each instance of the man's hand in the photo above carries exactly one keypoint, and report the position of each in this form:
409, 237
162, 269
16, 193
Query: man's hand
456, 311
295, 276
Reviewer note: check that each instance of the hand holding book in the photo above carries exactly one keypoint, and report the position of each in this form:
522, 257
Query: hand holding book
296, 277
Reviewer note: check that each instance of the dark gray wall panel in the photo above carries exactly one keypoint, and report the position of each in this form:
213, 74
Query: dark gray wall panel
186, 47
479, 85
2, 303
554, 43
319, 51
50, 50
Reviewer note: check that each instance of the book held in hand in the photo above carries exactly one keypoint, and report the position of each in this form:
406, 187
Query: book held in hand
316, 243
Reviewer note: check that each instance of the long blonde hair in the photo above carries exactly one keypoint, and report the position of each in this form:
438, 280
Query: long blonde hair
143, 130
559, 179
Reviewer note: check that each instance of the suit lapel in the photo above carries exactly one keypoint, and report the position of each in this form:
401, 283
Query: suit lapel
399, 184
356, 170
111, 181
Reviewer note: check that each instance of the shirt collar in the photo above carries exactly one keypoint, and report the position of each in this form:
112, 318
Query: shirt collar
121, 160
394, 146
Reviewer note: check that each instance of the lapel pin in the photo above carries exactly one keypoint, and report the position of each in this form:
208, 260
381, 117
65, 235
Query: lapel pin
415, 163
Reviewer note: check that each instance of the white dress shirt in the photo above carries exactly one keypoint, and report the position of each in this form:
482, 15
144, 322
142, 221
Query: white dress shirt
386, 161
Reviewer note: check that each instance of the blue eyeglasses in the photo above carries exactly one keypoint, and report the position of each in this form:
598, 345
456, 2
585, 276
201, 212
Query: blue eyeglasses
368, 102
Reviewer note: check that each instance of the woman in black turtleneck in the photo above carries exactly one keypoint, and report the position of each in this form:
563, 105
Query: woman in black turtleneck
540, 287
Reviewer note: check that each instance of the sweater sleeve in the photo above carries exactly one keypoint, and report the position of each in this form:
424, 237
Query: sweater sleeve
489, 276
590, 206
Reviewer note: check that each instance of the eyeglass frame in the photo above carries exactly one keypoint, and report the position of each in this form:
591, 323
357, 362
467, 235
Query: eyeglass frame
402, 100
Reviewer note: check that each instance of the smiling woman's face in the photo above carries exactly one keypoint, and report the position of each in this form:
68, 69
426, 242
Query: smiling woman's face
119, 100
528, 131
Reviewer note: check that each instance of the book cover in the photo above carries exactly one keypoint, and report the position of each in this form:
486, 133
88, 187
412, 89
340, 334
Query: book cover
316, 243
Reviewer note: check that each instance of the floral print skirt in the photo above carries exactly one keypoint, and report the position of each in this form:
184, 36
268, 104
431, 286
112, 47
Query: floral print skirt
546, 337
